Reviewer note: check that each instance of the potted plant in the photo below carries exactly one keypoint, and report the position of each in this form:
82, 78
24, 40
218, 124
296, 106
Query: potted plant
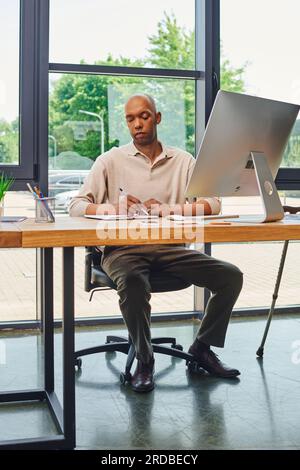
5, 184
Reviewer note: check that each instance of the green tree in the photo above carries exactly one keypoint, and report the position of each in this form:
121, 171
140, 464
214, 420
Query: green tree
172, 46
72, 93
232, 79
291, 157
9, 141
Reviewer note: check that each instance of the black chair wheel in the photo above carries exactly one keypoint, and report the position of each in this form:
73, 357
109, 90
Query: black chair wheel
78, 363
177, 346
125, 378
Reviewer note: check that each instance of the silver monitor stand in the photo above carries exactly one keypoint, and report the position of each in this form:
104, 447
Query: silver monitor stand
272, 207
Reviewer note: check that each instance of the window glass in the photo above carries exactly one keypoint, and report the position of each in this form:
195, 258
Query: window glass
18, 267
86, 118
119, 32
263, 61
260, 261
9, 82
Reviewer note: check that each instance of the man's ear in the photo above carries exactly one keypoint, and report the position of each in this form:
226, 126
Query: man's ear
158, 118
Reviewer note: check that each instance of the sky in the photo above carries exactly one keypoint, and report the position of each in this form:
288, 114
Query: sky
260, 33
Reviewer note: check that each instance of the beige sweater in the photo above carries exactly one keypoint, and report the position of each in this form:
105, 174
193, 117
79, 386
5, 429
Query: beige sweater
127, 168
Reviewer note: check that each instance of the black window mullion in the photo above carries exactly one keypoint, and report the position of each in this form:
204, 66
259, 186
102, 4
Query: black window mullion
147, 72
27, 80
212, 53
42, 98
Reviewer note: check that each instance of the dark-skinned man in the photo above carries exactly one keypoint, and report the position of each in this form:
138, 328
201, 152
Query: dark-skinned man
156, 176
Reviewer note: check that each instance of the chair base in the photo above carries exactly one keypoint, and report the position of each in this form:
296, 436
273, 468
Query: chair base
121, 344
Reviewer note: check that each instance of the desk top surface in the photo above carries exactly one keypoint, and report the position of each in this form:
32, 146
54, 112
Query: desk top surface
79, 231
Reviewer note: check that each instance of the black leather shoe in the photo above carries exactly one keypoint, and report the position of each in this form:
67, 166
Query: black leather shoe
142, 379
209, 361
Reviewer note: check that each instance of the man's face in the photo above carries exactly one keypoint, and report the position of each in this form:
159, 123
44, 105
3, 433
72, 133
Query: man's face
141, 120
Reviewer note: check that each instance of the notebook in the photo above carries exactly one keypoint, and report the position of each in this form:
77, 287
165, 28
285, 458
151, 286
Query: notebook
121, 217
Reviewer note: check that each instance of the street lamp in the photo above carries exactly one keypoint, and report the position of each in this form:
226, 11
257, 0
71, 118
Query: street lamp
54, 148
98, 116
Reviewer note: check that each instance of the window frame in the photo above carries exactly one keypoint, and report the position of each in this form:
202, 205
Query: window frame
32, 58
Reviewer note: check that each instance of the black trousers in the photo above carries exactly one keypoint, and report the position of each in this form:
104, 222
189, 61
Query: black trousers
129, 268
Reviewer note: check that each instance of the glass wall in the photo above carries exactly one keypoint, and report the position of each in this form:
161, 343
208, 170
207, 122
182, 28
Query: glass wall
86, 111
119, 32
260, 55
9, 82
18, 267
86, 116
260, 261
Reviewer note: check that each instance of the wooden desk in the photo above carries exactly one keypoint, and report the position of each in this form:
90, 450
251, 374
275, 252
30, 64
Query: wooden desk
79, 231
68, 233
10, 236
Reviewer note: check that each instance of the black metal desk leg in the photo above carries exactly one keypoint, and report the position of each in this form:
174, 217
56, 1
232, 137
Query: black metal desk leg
47, 315
260, 351
68, 347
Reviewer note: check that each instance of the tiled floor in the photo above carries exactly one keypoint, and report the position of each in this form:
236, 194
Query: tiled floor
260, 410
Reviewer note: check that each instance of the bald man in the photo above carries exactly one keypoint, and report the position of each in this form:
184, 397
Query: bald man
156, 176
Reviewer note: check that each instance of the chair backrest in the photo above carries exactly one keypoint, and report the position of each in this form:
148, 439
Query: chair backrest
92, 258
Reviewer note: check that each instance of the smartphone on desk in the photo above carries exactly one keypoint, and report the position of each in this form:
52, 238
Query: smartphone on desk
12, 218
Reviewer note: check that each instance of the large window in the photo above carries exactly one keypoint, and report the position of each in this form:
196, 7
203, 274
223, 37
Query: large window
87, 116
119, 32
9, 82
101, 53
260, 52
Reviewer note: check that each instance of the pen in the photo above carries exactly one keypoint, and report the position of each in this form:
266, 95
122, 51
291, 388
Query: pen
219, 223
139, 207
31, 190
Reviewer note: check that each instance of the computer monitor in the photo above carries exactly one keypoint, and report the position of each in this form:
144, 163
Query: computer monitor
242, 149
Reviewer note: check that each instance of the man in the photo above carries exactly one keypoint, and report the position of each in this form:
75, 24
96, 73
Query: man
156, 176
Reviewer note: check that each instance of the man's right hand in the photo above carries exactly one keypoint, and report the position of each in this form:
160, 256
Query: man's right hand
127, 204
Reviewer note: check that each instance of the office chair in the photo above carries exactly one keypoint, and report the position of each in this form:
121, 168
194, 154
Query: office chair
97, 280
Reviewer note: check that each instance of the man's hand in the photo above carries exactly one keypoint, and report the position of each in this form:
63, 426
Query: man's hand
153, 206
127, 204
